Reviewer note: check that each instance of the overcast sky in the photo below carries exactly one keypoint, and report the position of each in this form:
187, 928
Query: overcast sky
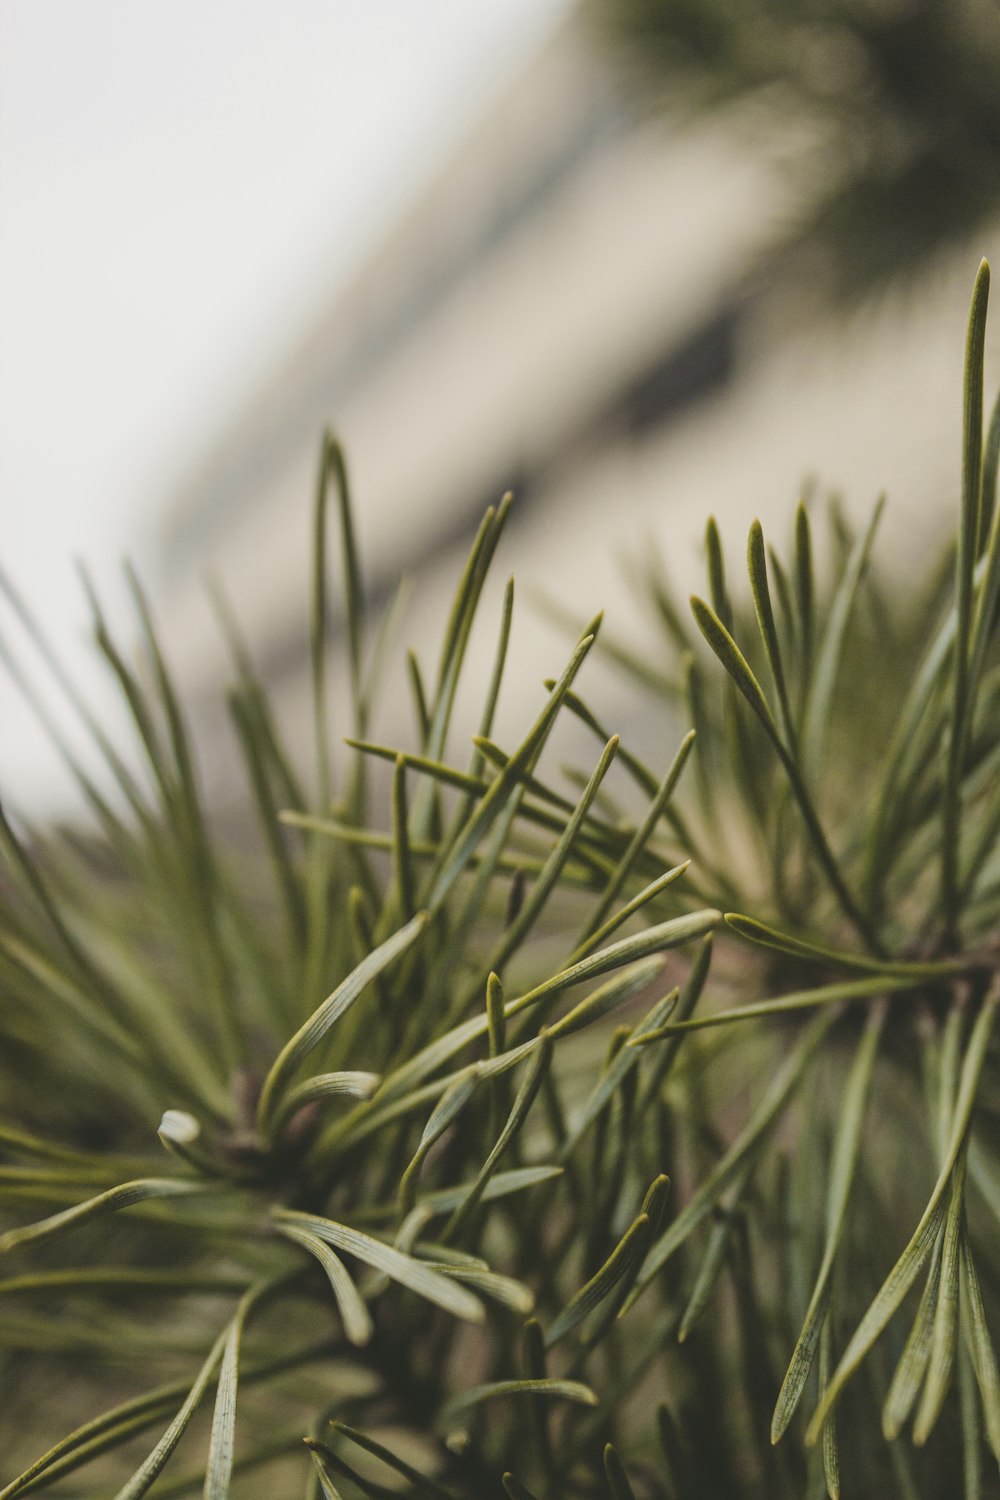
178, 182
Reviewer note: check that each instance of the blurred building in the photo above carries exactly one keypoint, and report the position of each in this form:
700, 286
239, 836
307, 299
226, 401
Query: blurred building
573, 308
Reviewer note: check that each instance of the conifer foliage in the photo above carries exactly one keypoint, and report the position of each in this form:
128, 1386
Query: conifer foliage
618, 1130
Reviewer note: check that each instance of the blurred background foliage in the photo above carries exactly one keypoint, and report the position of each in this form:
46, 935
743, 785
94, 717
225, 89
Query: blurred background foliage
902, 96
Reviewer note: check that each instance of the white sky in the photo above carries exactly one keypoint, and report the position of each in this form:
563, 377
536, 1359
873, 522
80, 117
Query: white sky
178, 182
